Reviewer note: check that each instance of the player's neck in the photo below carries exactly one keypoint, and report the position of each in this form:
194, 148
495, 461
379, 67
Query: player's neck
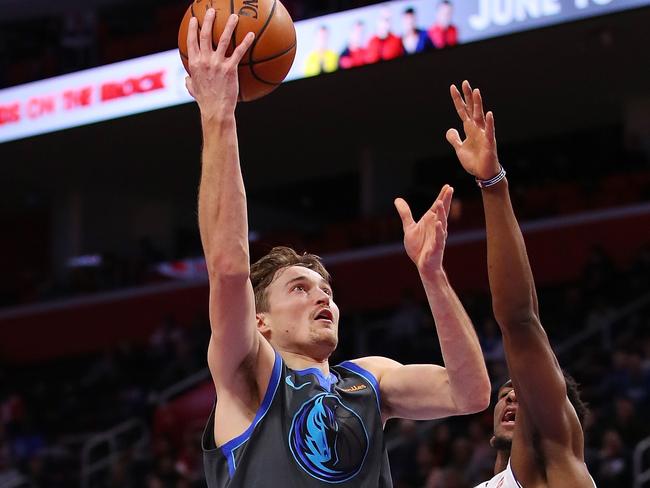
501, 463
297, 361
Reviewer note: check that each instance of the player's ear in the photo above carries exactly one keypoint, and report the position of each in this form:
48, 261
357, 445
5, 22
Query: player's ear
492, 441
262, 322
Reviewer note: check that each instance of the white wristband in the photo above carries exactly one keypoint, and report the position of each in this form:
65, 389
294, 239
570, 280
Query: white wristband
492, 181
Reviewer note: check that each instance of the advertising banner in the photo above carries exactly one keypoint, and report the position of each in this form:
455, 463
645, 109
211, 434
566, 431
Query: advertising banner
326, 44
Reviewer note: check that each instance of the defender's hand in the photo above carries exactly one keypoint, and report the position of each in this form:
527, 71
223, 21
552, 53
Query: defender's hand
425, 240
214, 82
478, 152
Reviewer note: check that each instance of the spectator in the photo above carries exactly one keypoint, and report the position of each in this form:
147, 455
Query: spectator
354, 53
384, 45
443, 33
614, 462
491, 341
322, 59
404, 458
414, 40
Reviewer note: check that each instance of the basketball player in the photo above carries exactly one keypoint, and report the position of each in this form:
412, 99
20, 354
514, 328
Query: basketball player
283, 415
537, 431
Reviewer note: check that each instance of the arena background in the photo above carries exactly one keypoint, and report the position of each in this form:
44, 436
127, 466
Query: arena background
103, 325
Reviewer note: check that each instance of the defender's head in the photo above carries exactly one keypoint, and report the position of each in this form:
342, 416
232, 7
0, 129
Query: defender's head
505, 411
294, 303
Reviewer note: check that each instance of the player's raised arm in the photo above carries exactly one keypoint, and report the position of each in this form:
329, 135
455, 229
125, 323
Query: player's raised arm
222, 198
426, 391
537, 377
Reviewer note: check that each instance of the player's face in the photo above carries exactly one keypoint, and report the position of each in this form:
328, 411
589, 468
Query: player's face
302, 316
505, 413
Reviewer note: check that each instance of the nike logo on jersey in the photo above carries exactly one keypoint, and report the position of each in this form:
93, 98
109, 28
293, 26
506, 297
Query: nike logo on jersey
289, 382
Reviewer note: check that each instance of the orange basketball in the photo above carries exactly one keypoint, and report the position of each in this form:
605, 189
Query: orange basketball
269, 58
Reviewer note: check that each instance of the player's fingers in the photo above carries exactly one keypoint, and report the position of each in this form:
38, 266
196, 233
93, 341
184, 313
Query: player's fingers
440, 207
205, 37
446, 201
192, 42
467, 94
435, 213
240, 50
189, 86
459, 104
479, 117
404, 212
226, 35
453, 137
441, 194
441, 236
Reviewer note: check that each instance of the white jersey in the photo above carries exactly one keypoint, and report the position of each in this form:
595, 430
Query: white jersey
506, 479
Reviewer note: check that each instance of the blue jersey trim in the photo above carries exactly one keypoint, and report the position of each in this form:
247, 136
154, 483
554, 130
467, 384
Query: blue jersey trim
355, 368
325, 382
229, 447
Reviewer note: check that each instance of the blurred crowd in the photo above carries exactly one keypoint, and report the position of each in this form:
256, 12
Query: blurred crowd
48, 411
338, 224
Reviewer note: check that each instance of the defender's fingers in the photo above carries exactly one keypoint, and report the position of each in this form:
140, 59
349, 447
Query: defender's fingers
226, 35
205, 37
404, 212
459, 104
453, 137
479, 116
489, 127
240, 50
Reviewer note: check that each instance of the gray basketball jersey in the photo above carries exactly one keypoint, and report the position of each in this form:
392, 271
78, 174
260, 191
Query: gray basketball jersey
310, 431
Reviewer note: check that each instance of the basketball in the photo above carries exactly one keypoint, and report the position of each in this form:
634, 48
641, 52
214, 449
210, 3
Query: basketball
269, 58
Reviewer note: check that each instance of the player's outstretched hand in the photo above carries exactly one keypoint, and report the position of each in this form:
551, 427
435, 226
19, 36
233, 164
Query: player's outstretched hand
214, 81
425, 240
478, 152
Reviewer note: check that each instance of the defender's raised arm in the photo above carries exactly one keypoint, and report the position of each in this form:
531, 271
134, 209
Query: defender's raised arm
547, 426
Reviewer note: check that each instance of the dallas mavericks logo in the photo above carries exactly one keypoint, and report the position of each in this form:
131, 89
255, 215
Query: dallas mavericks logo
328, 440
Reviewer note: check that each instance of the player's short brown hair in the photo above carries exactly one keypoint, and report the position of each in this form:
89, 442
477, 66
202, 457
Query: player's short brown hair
265, 269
